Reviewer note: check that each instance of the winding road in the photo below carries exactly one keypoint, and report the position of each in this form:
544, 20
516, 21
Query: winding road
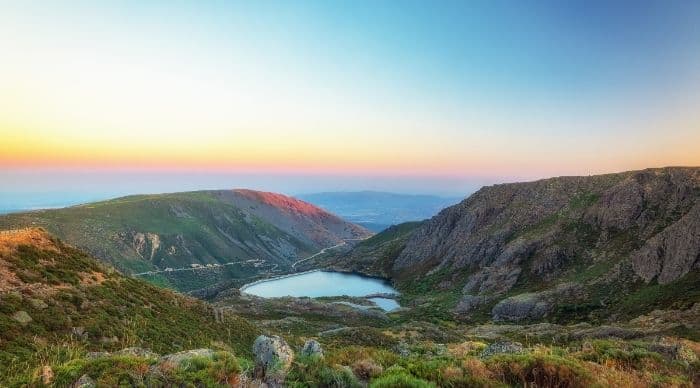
274, 266
324, 250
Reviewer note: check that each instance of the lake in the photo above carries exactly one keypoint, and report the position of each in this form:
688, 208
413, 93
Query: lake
324, 283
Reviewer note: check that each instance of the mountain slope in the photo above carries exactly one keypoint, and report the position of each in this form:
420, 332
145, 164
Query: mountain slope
378, 210
566, 248
238, 234
373, 256
57, 303
66, 320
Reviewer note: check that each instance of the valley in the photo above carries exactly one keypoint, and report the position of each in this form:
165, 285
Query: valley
546, 283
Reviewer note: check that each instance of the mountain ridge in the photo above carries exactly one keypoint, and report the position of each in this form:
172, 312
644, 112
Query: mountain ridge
142, 233
556, 248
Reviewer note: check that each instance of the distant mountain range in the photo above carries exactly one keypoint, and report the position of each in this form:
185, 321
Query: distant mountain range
168, 238
378, 210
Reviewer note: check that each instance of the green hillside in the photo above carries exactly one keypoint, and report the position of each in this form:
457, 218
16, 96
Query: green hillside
234, 235
57, 304
67, 319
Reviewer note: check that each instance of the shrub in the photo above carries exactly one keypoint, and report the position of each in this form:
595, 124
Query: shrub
476, 368
467, 348
540, 370
398, 377
315, 371
366, 369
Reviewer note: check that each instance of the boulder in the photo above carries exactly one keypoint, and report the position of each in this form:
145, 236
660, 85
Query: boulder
22, 317
469, 303
138, 352
184, 357
532, 306
521, 307
312, 348
84, 381
273, 358
503, 347
38, 304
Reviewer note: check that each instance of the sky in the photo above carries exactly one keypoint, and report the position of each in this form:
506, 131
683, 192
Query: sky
302, 96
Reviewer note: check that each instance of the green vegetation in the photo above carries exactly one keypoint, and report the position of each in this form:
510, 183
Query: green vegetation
391, 233
314, 371
75, 305
221, 370
143, 233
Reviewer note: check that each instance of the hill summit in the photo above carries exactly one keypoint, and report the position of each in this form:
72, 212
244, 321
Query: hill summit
192, 240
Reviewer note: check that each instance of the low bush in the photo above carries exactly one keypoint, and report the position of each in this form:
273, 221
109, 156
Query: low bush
398, 377
314, 371
539, 370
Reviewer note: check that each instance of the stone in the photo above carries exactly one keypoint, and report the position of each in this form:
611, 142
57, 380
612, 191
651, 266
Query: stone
503, 347
22, 317
95, 355
469, 303
312, 348
536, 305
84, 381
521, 307
79, 332
38, 304
273, 358
139, 352
179, 358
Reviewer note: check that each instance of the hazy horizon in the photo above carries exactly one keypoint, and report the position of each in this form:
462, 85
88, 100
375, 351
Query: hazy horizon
298, 97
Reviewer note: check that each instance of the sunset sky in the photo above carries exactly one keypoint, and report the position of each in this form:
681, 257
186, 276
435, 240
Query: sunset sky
318, 93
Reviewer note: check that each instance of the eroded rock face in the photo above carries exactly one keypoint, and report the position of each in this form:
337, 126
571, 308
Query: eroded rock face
521, 307
536, 305
273, 358
672, 253
534, 233
468, 304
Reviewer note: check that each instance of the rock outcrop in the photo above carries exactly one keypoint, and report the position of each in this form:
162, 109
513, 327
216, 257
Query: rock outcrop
273, 358
502, 347
312, 348
509, 247
535, 305
672, 253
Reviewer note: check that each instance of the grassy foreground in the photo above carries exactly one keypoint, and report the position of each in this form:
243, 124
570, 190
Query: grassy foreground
65, 318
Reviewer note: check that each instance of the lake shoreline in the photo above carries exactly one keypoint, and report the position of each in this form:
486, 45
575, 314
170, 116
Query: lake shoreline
319, 283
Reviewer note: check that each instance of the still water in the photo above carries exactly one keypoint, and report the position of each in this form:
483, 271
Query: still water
324, 283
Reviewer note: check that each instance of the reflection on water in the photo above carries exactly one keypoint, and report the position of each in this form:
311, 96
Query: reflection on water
324, 283
387, 304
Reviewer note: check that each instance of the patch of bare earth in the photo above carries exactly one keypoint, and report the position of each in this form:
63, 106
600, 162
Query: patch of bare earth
92, 278
11, 239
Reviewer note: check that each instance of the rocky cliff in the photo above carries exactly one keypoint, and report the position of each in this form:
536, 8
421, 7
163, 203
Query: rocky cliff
597, 245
